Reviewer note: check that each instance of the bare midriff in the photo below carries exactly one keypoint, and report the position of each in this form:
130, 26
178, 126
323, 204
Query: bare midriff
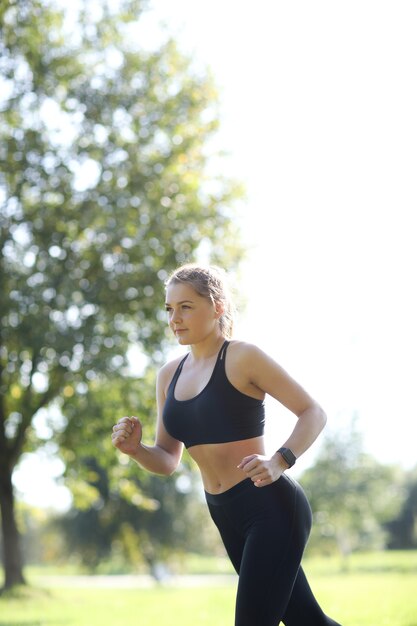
218, 462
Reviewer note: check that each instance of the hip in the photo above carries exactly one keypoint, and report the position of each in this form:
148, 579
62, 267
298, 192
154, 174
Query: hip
244, 504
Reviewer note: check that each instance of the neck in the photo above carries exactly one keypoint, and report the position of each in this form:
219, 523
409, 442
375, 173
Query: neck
207, 348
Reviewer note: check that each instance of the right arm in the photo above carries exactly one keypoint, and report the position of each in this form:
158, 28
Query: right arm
164, 456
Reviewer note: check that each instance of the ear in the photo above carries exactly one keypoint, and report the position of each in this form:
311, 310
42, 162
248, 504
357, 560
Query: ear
219, 309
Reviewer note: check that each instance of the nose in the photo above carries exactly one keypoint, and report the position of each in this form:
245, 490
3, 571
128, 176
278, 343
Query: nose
175, 317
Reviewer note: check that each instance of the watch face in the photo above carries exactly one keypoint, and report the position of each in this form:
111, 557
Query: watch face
288, 456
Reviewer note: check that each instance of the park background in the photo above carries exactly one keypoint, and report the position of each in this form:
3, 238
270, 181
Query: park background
316, 109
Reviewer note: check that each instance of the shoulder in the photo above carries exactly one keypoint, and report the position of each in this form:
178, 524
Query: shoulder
246, 356
167, 371
242, 350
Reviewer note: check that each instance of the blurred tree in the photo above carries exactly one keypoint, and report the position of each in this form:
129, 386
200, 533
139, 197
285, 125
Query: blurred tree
403, 528
104, 188
126, 530
118, 507
351, 495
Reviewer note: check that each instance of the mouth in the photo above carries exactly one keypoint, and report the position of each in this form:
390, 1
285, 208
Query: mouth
180, 330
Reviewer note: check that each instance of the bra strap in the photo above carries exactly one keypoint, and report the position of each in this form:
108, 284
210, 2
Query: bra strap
178, 371
223, 349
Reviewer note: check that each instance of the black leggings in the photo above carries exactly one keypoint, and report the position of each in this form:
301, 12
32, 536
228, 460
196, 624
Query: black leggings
265, 530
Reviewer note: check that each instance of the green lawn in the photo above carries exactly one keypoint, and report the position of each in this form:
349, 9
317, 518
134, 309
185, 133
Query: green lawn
377, 590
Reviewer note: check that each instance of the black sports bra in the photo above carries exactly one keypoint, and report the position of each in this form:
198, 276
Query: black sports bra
220, 413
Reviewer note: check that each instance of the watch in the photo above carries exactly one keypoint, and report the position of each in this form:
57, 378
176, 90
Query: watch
288, 456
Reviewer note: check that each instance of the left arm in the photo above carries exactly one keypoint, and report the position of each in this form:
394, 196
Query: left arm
265, 374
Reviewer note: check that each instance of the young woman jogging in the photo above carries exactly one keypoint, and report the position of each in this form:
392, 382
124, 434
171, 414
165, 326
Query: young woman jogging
212, 401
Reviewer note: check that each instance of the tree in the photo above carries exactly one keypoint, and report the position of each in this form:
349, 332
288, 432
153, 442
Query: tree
351, 494
403, 528
104, 188
128, 530
124, 500
148, 518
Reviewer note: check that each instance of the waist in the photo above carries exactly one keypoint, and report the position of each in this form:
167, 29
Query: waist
226, 496
218, 462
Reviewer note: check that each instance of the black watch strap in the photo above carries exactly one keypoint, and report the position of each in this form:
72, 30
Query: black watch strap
288, 456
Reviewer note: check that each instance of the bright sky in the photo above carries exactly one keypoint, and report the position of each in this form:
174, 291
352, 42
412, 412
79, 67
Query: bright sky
319, 104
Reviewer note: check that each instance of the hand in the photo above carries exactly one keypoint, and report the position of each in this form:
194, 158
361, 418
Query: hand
263, 470
127, 435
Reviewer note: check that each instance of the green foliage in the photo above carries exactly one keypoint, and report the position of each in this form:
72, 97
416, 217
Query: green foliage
403, 528
140, 522
104, 189
351, 494
121, 512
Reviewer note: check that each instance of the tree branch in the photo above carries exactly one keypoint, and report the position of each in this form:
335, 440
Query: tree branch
30, 407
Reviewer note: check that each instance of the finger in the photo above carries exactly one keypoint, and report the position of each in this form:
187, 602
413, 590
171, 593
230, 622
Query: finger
120, 435
118, 438
121, 428
117, 441
258, 475
246, 460
254, 473
262, 475
254, 468
133, 423
125, 425
263, 482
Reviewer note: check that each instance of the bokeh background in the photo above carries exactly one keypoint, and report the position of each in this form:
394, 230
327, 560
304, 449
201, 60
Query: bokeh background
277, 140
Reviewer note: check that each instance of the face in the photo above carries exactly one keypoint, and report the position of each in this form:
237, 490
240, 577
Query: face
191, 317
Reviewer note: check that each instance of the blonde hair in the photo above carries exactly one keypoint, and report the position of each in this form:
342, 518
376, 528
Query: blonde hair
209, 282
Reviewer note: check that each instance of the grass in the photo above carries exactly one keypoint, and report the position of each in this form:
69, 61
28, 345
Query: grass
114, 607
377, 589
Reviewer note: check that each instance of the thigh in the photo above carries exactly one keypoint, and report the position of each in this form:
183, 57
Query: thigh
232, 539
272, 553
266, 579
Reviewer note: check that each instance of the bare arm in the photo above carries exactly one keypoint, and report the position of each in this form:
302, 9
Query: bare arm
275, 381
265, 374
161, 458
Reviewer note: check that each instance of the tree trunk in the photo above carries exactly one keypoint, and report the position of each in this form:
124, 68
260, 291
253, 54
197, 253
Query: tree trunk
12, 560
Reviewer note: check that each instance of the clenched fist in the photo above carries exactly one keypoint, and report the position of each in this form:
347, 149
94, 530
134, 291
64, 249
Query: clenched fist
127, 435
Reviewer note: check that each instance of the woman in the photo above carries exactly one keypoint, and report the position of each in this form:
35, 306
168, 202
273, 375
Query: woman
212, 401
